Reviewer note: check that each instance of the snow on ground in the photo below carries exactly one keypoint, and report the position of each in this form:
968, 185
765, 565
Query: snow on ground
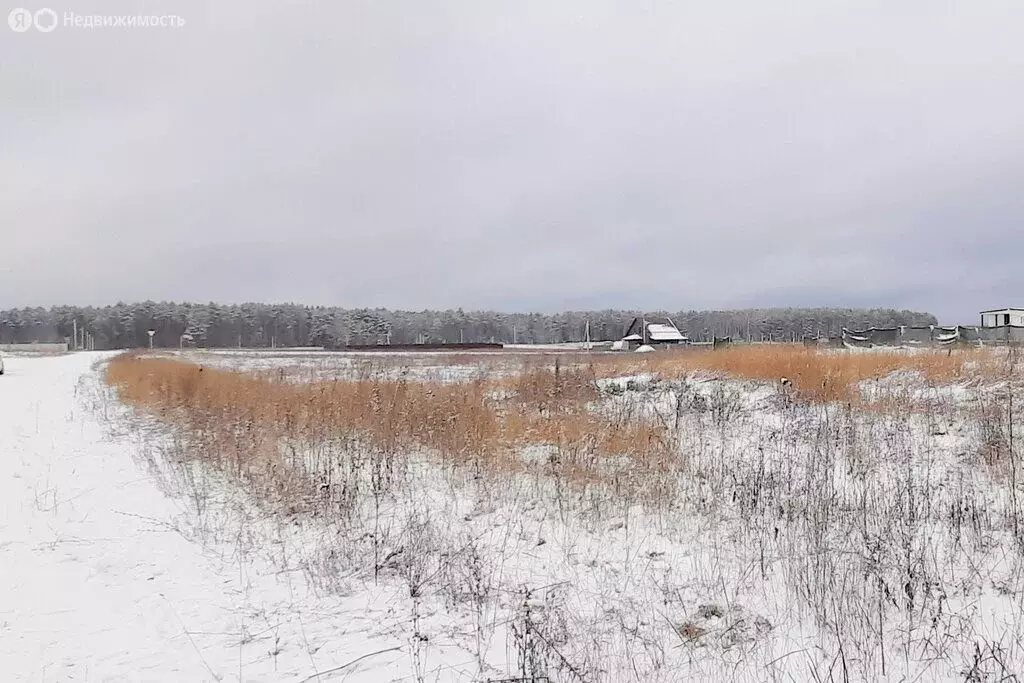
97, 583
116, 564
105, 577
311, 366
429, 366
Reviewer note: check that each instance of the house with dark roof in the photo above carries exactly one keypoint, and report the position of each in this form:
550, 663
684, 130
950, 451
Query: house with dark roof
658, 335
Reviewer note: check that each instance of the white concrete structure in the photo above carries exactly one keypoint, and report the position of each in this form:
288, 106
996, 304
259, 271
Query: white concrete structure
1000, 317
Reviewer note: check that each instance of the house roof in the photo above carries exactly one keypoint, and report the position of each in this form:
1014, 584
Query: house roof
663, 333
1000, 310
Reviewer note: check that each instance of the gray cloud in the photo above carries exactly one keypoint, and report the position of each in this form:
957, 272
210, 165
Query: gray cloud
666, 154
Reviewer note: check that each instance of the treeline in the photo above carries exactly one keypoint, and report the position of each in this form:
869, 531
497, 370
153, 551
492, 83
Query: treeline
264, 325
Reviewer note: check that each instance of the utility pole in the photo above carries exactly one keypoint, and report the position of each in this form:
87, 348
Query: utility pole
74, 346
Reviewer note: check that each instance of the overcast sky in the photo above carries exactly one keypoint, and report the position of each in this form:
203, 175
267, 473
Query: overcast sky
519, 155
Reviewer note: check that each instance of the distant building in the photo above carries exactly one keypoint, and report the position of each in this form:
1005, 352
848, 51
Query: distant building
1001, 317
657, 335
664, 334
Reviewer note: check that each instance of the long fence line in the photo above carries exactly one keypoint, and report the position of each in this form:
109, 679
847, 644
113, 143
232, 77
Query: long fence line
34, 348
931, 336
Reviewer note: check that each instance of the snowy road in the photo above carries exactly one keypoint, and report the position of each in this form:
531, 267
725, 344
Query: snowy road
94, 587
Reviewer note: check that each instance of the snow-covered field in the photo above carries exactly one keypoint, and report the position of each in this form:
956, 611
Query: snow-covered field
784, 542
102, 576
325, 365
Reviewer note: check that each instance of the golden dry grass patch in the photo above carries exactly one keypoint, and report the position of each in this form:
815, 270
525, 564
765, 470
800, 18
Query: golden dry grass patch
490, 420
816, 374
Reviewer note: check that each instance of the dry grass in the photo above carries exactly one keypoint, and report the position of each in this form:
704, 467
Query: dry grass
865, 521
485, 425
818, 375
240, 420
821, 375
